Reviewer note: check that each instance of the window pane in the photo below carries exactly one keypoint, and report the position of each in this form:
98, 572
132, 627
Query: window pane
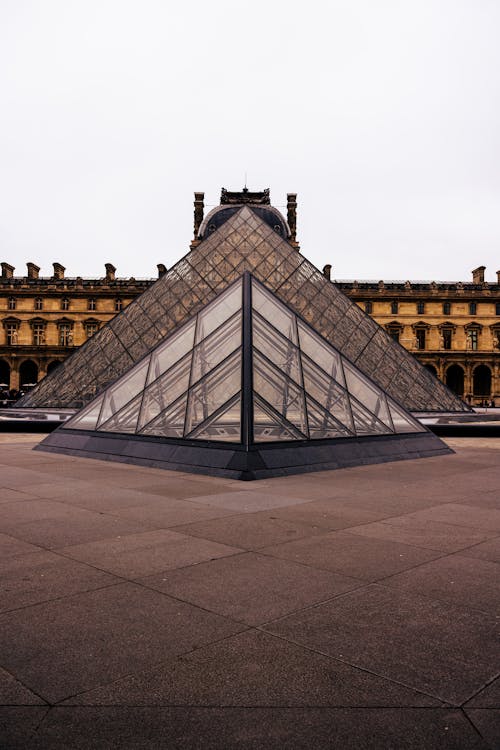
171, 350
165, 390
322, 424
367, 393
219, 311
321, 353
403, 422
271, 310
278, 349
280, 392
170, 423
327, 392
125, 420
212, 350
213, 391
225, 426
124, 390
267, 425
87, 418
366, 423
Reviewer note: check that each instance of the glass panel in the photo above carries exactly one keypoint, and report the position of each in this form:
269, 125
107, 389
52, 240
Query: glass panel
279, 350
326, 392
272, 310
321, 353
225, 426
213, 391
403, 422
267, 425
124, 390
165, 390
366, 423
170, 423
87, 418
218, 311
125, 420
280, 392
212, 350
171, 350
367, 392
322, 424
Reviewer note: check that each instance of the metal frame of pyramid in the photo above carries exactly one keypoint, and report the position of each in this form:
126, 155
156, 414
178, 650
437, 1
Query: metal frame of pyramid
245, 389
243, 242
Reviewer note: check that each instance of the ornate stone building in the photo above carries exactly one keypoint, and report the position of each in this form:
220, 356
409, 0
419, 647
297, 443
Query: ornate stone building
452, 328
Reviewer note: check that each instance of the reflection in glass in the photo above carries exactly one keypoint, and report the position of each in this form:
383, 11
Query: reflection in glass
165, 390
268, 426
212, 350
321, 353
274, 311
222, 308
124, 390
225, 425
278, 349
87, 418
213, 391
280, 392
172, 349
322, 424
170, 423
124, 420
367, 393
327, 392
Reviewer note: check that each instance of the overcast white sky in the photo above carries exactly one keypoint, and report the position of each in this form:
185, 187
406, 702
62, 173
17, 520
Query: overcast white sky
384, 117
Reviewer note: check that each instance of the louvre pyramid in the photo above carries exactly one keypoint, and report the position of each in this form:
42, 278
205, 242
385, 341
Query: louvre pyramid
244, 242
246, 371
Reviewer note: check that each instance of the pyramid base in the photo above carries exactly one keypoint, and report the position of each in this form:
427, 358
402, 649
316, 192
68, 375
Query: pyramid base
232, 461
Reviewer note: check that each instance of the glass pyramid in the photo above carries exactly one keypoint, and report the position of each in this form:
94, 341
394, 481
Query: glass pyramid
247, 370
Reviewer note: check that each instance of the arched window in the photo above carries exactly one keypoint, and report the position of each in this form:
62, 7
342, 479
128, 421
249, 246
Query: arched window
28, 374
4, 374
481, 381
455, 379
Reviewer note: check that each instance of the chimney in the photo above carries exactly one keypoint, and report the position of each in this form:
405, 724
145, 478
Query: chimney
198, 212
58, 271
162, 270
291, 209
33, 271
7, 271
327, 271
478, 275
110, 271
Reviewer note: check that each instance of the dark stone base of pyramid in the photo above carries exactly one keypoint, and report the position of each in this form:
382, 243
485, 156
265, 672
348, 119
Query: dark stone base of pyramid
234, 462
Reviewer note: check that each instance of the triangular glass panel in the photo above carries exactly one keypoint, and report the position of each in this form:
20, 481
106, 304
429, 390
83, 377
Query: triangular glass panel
218, 311
280, 392
124, 390
268, 426
215, 389
365, 423
322, 424
124, 420
321, 353
173, 348
367, 393
165, 390
224, 425
327, 392
170, 423
216, 347
403, 422
86, 418
280, 350
270, 308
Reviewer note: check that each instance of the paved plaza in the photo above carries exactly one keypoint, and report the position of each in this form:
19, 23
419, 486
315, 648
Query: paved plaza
357, 608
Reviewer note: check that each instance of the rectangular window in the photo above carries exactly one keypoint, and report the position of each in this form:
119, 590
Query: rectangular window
38, 334
394, 308
497, 308
12, 303
369, 308
11, 330
65, 304
420, 336
65, 335
91, 304
394, 333
446, 308
421, 308
39, 303
472, 308
447, 334
473, 339
91, 328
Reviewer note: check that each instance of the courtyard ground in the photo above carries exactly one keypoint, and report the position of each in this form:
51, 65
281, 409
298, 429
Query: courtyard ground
357, 608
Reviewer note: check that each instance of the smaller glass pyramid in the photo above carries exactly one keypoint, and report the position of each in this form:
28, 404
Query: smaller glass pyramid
245, 370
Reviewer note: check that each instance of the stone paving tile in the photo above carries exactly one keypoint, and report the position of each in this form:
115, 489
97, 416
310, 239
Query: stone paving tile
163, 512
149, 552
181, 486
79, 642
246, 502
52, 524
429, 645
251, 530
133, 728
489, 697
463, 581
251, 588
352, 555
18, 726
41, 576
14, 693
254, 669
11, 547
8, 495
487, 722
462, 515
327, 513
489, 550
434, 535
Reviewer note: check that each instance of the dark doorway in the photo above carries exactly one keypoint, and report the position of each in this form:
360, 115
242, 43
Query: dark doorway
432, 369
28, 373
482, 381
455, 379
4, 374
